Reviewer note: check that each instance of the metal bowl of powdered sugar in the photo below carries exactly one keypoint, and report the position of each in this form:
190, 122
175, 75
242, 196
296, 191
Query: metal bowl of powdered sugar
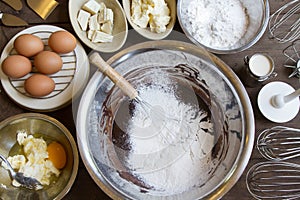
223, 26
132, 153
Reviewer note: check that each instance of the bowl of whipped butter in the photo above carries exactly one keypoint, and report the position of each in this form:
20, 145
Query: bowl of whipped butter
153, 20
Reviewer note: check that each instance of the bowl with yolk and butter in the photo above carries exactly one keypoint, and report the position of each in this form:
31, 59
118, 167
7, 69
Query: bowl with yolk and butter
41, 147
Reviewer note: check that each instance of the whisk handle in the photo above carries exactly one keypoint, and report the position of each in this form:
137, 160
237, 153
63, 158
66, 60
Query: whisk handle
114, 76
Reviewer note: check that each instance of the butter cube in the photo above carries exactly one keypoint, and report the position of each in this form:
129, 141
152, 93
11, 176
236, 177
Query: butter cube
83, 19
90, 34
91, 6
107, 27
102, 6
106, 15
102, 16
109, 15
100, 36
93, 22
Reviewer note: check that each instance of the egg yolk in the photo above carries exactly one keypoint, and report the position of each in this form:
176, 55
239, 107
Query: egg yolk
57, 154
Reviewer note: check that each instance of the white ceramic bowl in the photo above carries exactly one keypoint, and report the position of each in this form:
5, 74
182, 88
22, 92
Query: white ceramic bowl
145, 32
50, 128
120, 28
257, 14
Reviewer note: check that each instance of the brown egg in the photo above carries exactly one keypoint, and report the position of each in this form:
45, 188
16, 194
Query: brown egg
39, 85
28, 45
48, 62
16, 66
62, 42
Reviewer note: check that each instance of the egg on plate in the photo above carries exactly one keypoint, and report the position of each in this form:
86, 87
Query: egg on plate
16, 66
48, 62
28, 45
62, 42
39, 85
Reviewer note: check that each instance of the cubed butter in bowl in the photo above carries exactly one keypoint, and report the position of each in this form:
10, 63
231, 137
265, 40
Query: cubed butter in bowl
100, 24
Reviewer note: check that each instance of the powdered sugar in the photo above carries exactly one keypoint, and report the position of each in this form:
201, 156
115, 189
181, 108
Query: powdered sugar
216, 23
167, 156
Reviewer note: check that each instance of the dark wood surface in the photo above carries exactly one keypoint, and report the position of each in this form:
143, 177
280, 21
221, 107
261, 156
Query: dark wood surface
84, 187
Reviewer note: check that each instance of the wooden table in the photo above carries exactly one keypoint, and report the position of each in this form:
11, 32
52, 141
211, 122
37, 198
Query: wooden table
84, 187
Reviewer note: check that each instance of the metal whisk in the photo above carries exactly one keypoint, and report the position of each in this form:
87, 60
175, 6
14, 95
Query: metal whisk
279, 143
284, 24
153, 112
274, 180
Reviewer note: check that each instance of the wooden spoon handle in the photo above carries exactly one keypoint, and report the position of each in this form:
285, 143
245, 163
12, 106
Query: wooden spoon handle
114, 76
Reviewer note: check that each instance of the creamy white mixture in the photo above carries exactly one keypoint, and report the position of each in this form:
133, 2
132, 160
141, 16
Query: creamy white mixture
216, 23
34, 163
170, 142
154, 13
260, 65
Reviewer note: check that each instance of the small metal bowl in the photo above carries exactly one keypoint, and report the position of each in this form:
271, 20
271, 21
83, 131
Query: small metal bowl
50, 128
257, 12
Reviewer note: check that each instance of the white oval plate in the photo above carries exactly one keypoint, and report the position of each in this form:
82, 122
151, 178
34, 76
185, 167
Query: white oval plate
69, 81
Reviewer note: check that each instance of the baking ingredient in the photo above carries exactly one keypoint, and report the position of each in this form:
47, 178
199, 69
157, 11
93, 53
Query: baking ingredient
62, 42
100, 36
167, 156
28, 45
97, 21
48, 62
91, 6
260, 65
57, 154
34, 163
39, 85
153, 12
216, 23
16, 66
83, 19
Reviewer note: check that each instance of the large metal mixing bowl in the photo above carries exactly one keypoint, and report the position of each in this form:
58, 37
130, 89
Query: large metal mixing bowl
104, 154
